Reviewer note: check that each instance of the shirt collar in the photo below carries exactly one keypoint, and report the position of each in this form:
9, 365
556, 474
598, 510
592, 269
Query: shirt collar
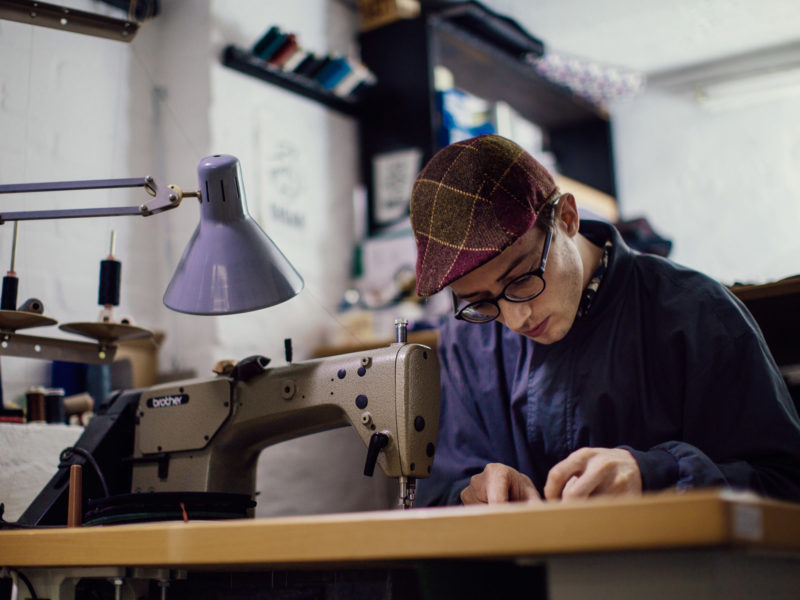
594, 283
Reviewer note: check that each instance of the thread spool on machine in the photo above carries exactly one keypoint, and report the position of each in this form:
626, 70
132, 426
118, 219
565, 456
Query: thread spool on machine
106, 330
30, 313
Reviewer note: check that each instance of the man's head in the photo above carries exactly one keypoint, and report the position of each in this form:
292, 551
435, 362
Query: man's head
472, 201
474, 208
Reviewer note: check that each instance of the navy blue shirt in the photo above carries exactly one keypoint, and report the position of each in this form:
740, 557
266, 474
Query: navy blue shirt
667, 363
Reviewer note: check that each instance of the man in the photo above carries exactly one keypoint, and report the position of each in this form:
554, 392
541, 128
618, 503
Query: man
576, 366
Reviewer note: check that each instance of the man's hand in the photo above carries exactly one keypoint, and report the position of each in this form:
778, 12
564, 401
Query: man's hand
498, 483
594, 471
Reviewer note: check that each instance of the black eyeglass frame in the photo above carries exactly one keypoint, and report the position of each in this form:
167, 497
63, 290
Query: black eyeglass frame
538, 272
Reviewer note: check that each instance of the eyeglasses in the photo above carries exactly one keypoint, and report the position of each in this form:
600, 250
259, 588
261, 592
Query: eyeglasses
520, 289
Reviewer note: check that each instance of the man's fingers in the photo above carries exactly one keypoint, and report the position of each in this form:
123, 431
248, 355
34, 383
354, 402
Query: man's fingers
585, 472
591, 471
559, 475
476, 491
468, 496
569, 485
497, 490
499, 483
587, 483
509, 485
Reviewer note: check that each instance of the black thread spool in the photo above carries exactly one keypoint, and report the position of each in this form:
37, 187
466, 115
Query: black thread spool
10, 286
54, 406
110, 276
8, 300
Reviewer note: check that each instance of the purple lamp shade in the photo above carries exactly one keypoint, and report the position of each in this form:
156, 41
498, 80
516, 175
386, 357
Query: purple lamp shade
230, 265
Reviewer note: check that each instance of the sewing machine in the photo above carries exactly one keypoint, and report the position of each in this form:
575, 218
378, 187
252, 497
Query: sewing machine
196, 442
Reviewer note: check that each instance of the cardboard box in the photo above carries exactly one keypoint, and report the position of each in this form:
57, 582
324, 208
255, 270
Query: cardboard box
143, 356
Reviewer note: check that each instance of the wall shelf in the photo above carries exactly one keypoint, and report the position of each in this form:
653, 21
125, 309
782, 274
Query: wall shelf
489, 57
244, 62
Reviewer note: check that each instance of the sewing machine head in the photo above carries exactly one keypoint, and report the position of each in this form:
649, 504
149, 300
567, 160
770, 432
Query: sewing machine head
204, 436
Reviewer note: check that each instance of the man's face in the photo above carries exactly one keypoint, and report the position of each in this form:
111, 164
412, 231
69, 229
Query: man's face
548, 317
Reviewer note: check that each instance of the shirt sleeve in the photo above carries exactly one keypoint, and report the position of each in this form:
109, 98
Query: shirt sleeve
463, 447
740, 426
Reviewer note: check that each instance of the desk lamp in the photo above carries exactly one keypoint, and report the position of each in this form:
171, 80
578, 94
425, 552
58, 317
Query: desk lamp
230, 265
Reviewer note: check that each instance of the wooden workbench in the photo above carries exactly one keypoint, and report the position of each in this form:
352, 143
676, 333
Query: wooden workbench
657, 521
600, 538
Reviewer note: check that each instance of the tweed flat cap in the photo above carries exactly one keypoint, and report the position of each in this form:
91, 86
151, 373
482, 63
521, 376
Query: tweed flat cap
469, 203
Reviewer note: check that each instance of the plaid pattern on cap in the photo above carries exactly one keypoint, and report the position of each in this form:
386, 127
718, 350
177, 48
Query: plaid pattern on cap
469, 203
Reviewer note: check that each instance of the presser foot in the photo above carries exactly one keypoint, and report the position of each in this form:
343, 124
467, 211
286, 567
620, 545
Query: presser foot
408, 487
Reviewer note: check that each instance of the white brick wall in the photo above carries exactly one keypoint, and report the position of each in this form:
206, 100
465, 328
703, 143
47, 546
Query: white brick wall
724, 186
76, 107
63, 115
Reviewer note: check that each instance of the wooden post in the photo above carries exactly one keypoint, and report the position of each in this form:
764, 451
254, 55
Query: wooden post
75, 504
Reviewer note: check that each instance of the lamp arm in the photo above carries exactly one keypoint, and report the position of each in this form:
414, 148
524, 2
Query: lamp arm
164, 198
